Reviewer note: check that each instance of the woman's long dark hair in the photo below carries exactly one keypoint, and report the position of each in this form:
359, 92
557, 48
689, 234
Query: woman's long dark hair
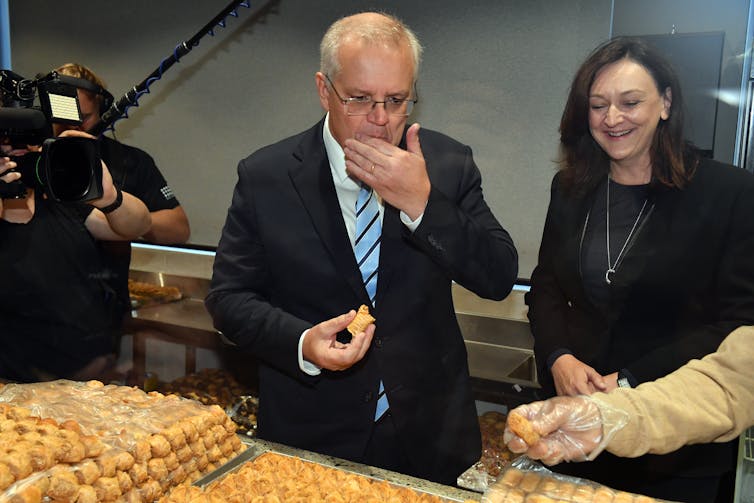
583, 162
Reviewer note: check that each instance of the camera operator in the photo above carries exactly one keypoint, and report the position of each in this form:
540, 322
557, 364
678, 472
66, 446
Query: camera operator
55, 305
135, 172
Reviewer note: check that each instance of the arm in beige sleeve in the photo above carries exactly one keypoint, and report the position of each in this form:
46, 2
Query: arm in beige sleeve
712, 398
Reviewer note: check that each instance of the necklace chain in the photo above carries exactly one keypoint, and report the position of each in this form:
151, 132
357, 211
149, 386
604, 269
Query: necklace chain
612, 267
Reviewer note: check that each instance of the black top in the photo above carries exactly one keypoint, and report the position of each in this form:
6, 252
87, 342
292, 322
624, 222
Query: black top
135, 172
626, 203
684, 284
54, 301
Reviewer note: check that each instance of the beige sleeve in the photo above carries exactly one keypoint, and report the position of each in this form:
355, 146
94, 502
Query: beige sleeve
707, 400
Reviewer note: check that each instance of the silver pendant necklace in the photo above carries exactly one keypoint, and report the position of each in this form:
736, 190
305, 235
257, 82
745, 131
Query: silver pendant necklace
611, 267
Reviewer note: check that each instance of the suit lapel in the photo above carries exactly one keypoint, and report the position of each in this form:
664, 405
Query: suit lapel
313, 182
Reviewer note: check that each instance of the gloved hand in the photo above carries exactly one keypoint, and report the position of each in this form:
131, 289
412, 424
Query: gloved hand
571, 429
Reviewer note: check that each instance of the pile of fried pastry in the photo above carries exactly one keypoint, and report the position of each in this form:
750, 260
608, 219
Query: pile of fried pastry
273, 477
531, 486
87, 442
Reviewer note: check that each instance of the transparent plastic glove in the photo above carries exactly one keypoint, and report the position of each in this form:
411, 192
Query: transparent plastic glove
570, 428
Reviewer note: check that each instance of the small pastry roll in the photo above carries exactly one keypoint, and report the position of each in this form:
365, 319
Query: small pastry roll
159, 445
565, 490
87, 494
202, 462
124, 481
93, 446
87, 472
6, 476
362, 320
19, 463
178, 475
226, 447
107, 463
523, 428
174, 435
530, 481
623, 497
189, 431
583, 494
141, 451
42, 458
28, 493
133, 496
220, 433
123, 461
74, 453
156, 468
63, 484
214, 453
171, 461
150, 490
184, 454
603, 495
138, 473
107, 488
548, 486
514, 495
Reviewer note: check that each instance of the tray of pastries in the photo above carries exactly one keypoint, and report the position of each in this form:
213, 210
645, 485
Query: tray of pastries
266, 472
87, 442
218, 387
144, 294
528, 481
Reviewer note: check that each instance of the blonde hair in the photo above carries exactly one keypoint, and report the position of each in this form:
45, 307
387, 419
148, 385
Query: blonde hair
371, 27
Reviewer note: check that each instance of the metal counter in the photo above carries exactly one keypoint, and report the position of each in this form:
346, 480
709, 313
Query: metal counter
496, 333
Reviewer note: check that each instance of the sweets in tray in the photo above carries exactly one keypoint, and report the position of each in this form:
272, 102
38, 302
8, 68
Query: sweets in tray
219, 387
267, 476
495, 454
527, 481
148, 294
88, 442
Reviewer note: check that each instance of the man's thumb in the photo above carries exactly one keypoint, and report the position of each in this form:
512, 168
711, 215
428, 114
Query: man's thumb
412, 139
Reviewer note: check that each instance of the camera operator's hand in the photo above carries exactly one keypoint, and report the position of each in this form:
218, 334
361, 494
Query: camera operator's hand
123, 219
5, 165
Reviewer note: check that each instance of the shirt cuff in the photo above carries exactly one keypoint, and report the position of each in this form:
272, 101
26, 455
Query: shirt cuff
411, 224
306, 366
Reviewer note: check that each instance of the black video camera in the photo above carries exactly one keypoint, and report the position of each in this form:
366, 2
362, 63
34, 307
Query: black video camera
67, 169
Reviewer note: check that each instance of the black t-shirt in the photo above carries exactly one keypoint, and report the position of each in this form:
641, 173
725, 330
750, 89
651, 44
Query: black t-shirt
626, 202
135, 172
54, 301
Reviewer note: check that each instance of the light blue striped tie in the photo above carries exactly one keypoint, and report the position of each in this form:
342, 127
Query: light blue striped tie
367, 251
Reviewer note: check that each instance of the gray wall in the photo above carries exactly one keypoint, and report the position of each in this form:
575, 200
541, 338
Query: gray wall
495, 76
648, 17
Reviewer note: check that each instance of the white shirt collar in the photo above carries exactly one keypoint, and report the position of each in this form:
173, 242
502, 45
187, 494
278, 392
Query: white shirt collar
337, 158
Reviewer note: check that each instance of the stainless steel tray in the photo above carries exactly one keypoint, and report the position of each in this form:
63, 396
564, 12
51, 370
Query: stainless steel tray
256, 447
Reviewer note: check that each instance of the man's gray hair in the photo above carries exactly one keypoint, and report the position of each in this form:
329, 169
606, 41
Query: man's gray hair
379, 29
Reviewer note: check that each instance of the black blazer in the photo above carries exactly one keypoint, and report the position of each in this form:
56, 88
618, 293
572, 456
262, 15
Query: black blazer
687, 280
285, 262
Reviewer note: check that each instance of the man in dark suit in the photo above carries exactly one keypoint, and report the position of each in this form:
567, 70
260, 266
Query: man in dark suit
286, 268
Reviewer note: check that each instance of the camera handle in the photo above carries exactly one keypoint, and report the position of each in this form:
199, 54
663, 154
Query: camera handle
120, 107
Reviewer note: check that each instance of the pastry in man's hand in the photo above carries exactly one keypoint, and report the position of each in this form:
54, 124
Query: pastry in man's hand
523, 428
362, 320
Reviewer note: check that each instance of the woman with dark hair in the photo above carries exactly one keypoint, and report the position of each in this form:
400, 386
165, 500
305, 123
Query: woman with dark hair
646, 260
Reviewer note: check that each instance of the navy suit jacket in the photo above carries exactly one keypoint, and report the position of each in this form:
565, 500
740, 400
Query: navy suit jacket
285, 263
